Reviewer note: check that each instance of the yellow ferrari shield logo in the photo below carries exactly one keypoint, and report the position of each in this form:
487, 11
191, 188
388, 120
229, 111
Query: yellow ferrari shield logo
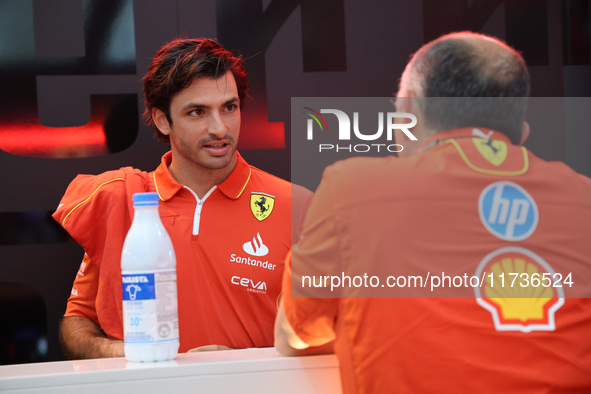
494, 151
261, 205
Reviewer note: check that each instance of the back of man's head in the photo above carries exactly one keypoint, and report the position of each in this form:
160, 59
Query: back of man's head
489, 76
177, 64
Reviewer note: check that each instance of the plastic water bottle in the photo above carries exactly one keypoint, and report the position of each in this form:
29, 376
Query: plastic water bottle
148, 271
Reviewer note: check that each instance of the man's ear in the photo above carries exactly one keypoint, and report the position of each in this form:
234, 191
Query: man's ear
160, 121
524, 132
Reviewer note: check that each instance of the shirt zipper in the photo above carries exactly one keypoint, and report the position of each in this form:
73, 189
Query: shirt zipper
198, 208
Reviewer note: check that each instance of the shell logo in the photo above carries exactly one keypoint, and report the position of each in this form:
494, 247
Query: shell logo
517, 301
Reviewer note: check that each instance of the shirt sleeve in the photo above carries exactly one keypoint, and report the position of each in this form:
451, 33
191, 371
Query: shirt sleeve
97, 211
82, 299
310, 310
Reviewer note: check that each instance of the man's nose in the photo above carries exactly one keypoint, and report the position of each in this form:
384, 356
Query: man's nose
217, 126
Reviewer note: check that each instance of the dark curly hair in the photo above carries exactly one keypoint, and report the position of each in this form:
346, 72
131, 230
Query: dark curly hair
177, 64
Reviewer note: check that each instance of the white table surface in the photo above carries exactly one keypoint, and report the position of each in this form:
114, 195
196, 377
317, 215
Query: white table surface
232, 371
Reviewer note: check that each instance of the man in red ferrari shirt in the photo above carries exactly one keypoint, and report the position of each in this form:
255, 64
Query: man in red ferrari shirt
230, 223
469, 198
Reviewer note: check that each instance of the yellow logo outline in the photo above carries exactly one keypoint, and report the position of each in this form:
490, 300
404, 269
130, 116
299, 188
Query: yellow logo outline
261, 205
528, 296
494, 151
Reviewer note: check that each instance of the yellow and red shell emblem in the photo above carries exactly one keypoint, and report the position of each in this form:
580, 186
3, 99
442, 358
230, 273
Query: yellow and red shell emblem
521, 290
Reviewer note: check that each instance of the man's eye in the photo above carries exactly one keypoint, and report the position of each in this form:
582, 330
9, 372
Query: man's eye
231, 107
196, 112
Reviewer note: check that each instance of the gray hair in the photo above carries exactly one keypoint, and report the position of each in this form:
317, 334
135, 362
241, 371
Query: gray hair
493, 84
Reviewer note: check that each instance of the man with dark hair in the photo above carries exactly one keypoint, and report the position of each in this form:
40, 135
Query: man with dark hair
175, 67
229, 222
467, 201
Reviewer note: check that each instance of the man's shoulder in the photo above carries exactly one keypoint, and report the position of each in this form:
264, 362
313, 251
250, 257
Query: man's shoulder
364, 170
263, 176
276, 184
107, 181
354, 180
561, 174
101, 191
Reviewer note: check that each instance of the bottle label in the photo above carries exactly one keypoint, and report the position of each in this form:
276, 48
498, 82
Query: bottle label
150, 308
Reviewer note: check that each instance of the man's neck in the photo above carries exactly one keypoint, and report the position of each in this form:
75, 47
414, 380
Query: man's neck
198, 178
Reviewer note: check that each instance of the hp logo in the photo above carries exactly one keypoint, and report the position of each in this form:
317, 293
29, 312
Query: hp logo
508, 211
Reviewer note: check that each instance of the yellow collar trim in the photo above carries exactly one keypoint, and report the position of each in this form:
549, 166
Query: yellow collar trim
245, 183
156, 186
490, 172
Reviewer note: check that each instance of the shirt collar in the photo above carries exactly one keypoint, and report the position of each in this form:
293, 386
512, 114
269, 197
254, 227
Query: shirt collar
232, 187
236, 182
464, 132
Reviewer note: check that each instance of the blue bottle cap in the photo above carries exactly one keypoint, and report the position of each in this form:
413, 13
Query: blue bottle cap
145, 197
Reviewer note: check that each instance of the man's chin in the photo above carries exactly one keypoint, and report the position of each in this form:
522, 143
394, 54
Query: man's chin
219, 162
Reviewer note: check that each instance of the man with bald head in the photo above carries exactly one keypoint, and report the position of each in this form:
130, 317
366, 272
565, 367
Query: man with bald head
466, 198
471, 66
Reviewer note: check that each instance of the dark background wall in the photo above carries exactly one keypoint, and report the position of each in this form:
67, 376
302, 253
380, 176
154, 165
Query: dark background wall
70, 99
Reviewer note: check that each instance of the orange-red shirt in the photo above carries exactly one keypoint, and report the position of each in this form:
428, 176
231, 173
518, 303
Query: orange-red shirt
461, 204
230, 246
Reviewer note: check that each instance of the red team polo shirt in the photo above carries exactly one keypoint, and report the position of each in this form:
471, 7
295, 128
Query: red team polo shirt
481, 205
230, 248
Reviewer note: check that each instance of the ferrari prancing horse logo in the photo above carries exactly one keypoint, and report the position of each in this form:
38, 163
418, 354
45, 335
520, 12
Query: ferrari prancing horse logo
261, 205
494, 151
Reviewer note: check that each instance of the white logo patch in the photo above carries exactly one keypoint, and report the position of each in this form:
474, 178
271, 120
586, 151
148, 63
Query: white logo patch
508, 211
480, 134
251, 285
256, 247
